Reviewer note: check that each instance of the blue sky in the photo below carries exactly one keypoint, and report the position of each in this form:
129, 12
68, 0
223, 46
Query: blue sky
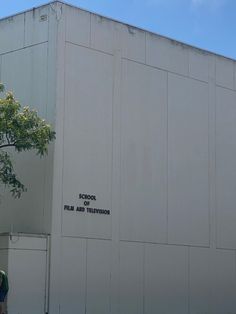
208, 24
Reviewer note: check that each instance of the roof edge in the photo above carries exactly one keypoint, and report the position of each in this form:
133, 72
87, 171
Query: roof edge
202, 50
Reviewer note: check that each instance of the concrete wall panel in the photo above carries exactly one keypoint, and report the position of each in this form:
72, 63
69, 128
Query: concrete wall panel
87, 140
107, 35
25, 72
98, 277
235, 75
12, 33
27, 281
4, 243
103, 33
27, 243
166, 279
133, 43
200, 281
131, 278
212, 281
198, 65
73, 276
226, 167
77, 26
36, 26
143, 153
224, 72
223, 282
166, 54
187, 162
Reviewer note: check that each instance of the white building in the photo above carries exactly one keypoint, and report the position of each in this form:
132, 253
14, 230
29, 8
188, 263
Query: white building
146, 135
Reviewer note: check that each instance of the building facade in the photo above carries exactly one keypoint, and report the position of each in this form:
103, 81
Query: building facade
134, 209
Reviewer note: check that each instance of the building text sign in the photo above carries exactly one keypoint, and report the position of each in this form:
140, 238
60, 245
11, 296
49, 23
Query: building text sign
85, 205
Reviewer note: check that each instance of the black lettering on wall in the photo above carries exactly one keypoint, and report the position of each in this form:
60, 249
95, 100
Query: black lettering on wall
68, 207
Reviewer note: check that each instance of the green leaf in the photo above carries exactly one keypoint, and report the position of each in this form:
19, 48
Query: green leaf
21, 129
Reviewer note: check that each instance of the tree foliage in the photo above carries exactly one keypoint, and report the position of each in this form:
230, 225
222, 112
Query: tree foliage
21, 129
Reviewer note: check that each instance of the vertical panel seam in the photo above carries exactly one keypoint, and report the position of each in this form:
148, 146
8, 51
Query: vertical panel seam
144, 288
209, 156
116, 177
209, 165
167, 159
90, 30
24, 29
63, 126
234, 75
215, 168
235, 266
188, 62
110, 279
188, 278
44, 228
212, 156
86, 275
145, 51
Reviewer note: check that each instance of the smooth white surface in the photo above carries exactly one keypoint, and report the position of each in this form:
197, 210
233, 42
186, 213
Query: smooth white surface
225, 72
226, 168
131, 278
19, 242
234, 75
4, 242
166, 54
198, 65
12, 33
133, 43
77, 26
36, 26
98, 277
31, 63
200, 281
143, 153
188, 208
103, 33
27, 274
73, 276
166, 279
223, 284
212, 281
87, 140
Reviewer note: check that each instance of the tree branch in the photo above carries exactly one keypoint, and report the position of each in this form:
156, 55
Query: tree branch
8, 141
7, 145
